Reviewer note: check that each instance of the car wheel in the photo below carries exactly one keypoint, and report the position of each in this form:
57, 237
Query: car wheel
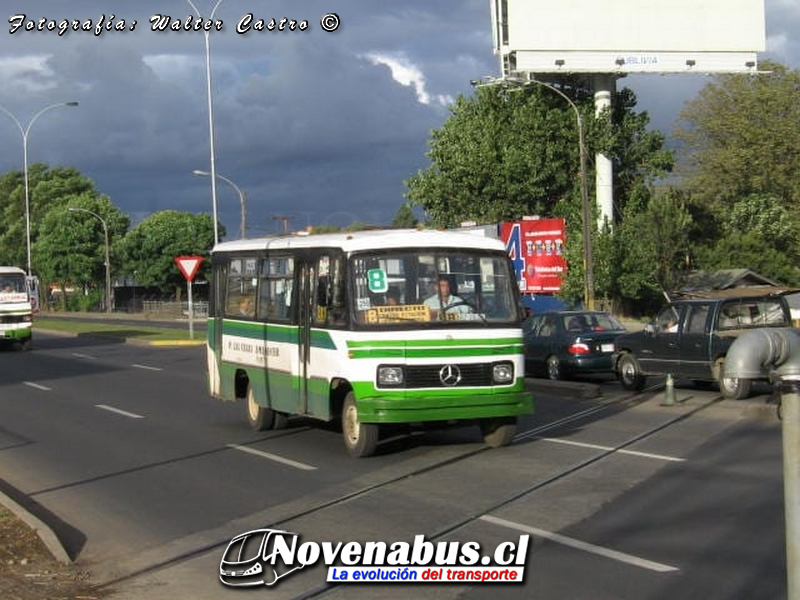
499, 431
630, 373
360, 439
553, 368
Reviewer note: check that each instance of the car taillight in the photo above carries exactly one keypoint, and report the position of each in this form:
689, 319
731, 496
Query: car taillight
578, 348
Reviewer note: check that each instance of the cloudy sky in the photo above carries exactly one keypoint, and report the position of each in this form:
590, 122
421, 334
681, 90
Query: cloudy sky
321, 127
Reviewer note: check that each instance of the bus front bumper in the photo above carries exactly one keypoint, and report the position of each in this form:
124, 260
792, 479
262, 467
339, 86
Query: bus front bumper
417, 406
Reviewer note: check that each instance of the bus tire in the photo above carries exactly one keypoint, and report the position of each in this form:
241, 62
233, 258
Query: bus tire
260, 417
498, 431
360, 439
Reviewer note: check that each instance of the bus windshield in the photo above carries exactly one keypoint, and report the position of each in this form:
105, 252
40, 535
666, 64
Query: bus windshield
439, 286
12, 283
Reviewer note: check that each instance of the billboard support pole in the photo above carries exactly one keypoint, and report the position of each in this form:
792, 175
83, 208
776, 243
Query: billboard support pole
604, 88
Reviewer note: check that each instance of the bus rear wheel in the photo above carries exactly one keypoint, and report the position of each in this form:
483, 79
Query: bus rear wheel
499, 431
260, 417
360, 439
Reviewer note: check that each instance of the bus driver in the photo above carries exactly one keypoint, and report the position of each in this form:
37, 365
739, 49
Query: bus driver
445, 301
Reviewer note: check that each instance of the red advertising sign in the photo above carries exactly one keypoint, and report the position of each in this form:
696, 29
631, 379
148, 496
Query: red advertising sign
188, 265
536, 248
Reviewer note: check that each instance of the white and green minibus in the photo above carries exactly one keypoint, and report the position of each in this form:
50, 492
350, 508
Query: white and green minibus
354, 326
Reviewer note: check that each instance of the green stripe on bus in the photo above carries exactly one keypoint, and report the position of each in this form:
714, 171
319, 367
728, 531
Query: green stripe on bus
442, 352
354, 344
277, 333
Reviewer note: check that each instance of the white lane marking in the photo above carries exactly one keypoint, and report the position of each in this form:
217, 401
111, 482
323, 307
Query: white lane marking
609, 448
79, 355
275, 457
586, 547
119, 411
146, 367
38, 386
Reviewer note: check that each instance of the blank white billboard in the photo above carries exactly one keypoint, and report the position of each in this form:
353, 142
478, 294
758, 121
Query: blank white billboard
628, 36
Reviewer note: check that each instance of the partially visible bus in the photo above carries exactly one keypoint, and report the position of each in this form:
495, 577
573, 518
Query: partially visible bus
348, 326
19, 295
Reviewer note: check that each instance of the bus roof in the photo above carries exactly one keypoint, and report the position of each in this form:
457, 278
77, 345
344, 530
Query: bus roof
368, 240
11, 270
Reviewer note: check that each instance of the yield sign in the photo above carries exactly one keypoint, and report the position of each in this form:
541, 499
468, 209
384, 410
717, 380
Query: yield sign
188, 265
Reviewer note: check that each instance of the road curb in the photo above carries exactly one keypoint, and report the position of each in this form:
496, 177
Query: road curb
45, 533
126, 340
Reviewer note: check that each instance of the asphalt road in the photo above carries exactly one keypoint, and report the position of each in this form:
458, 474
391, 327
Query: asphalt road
145, 479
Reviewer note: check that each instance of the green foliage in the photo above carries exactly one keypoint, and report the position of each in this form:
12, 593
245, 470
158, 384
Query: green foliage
70, 250
150, 248
404, 217
748, 250
501, 155
47, 188
741, 136
758, 233
652, 246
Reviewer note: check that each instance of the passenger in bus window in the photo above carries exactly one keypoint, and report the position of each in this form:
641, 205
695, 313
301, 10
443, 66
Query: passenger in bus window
392, 297
246, 307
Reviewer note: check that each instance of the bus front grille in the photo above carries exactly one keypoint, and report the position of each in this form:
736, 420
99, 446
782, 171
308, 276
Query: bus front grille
449, 375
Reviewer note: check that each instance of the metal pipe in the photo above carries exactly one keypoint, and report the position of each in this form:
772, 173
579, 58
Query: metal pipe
776, 352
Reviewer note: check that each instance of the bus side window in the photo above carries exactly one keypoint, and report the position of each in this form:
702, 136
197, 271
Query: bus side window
276, 289
241, 287
335, 293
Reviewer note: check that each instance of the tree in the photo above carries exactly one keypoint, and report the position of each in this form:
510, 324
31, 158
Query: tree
756, 232
404, 217
652, 246
741, 136
503, 154
150, 248
500, 155
70, 250
48, 187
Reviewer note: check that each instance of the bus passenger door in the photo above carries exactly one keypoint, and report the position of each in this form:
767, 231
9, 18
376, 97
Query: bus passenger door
306, 285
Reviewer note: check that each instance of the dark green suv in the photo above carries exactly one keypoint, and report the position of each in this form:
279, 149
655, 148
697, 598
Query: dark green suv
689, 339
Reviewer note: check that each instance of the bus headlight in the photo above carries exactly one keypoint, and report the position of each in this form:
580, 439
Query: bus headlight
390, 376
503, 372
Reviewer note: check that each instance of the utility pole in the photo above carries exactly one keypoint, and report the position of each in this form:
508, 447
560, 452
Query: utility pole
285, 219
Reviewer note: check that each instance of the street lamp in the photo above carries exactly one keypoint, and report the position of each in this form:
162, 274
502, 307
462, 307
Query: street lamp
242, 199
206, 34
588, 262
24, 131
108, 264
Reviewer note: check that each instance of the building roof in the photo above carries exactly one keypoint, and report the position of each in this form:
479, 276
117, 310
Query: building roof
728, 282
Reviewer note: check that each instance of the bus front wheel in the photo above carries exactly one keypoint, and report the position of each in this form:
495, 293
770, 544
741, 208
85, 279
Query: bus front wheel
360, 439
498, 432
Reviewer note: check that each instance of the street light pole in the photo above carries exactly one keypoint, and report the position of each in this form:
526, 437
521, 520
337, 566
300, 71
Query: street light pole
206, 34
242, 198
24, 131
108, 264
588, 261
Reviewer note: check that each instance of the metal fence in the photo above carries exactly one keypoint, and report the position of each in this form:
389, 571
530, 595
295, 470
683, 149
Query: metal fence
173, 310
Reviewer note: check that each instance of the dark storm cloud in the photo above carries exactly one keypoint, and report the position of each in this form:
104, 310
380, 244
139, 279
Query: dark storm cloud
324, 127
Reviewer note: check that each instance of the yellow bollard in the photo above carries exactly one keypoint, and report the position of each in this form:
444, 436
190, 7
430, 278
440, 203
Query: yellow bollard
669, 392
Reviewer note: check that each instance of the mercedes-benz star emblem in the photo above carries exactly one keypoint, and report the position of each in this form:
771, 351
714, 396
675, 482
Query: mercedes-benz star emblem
450, 375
